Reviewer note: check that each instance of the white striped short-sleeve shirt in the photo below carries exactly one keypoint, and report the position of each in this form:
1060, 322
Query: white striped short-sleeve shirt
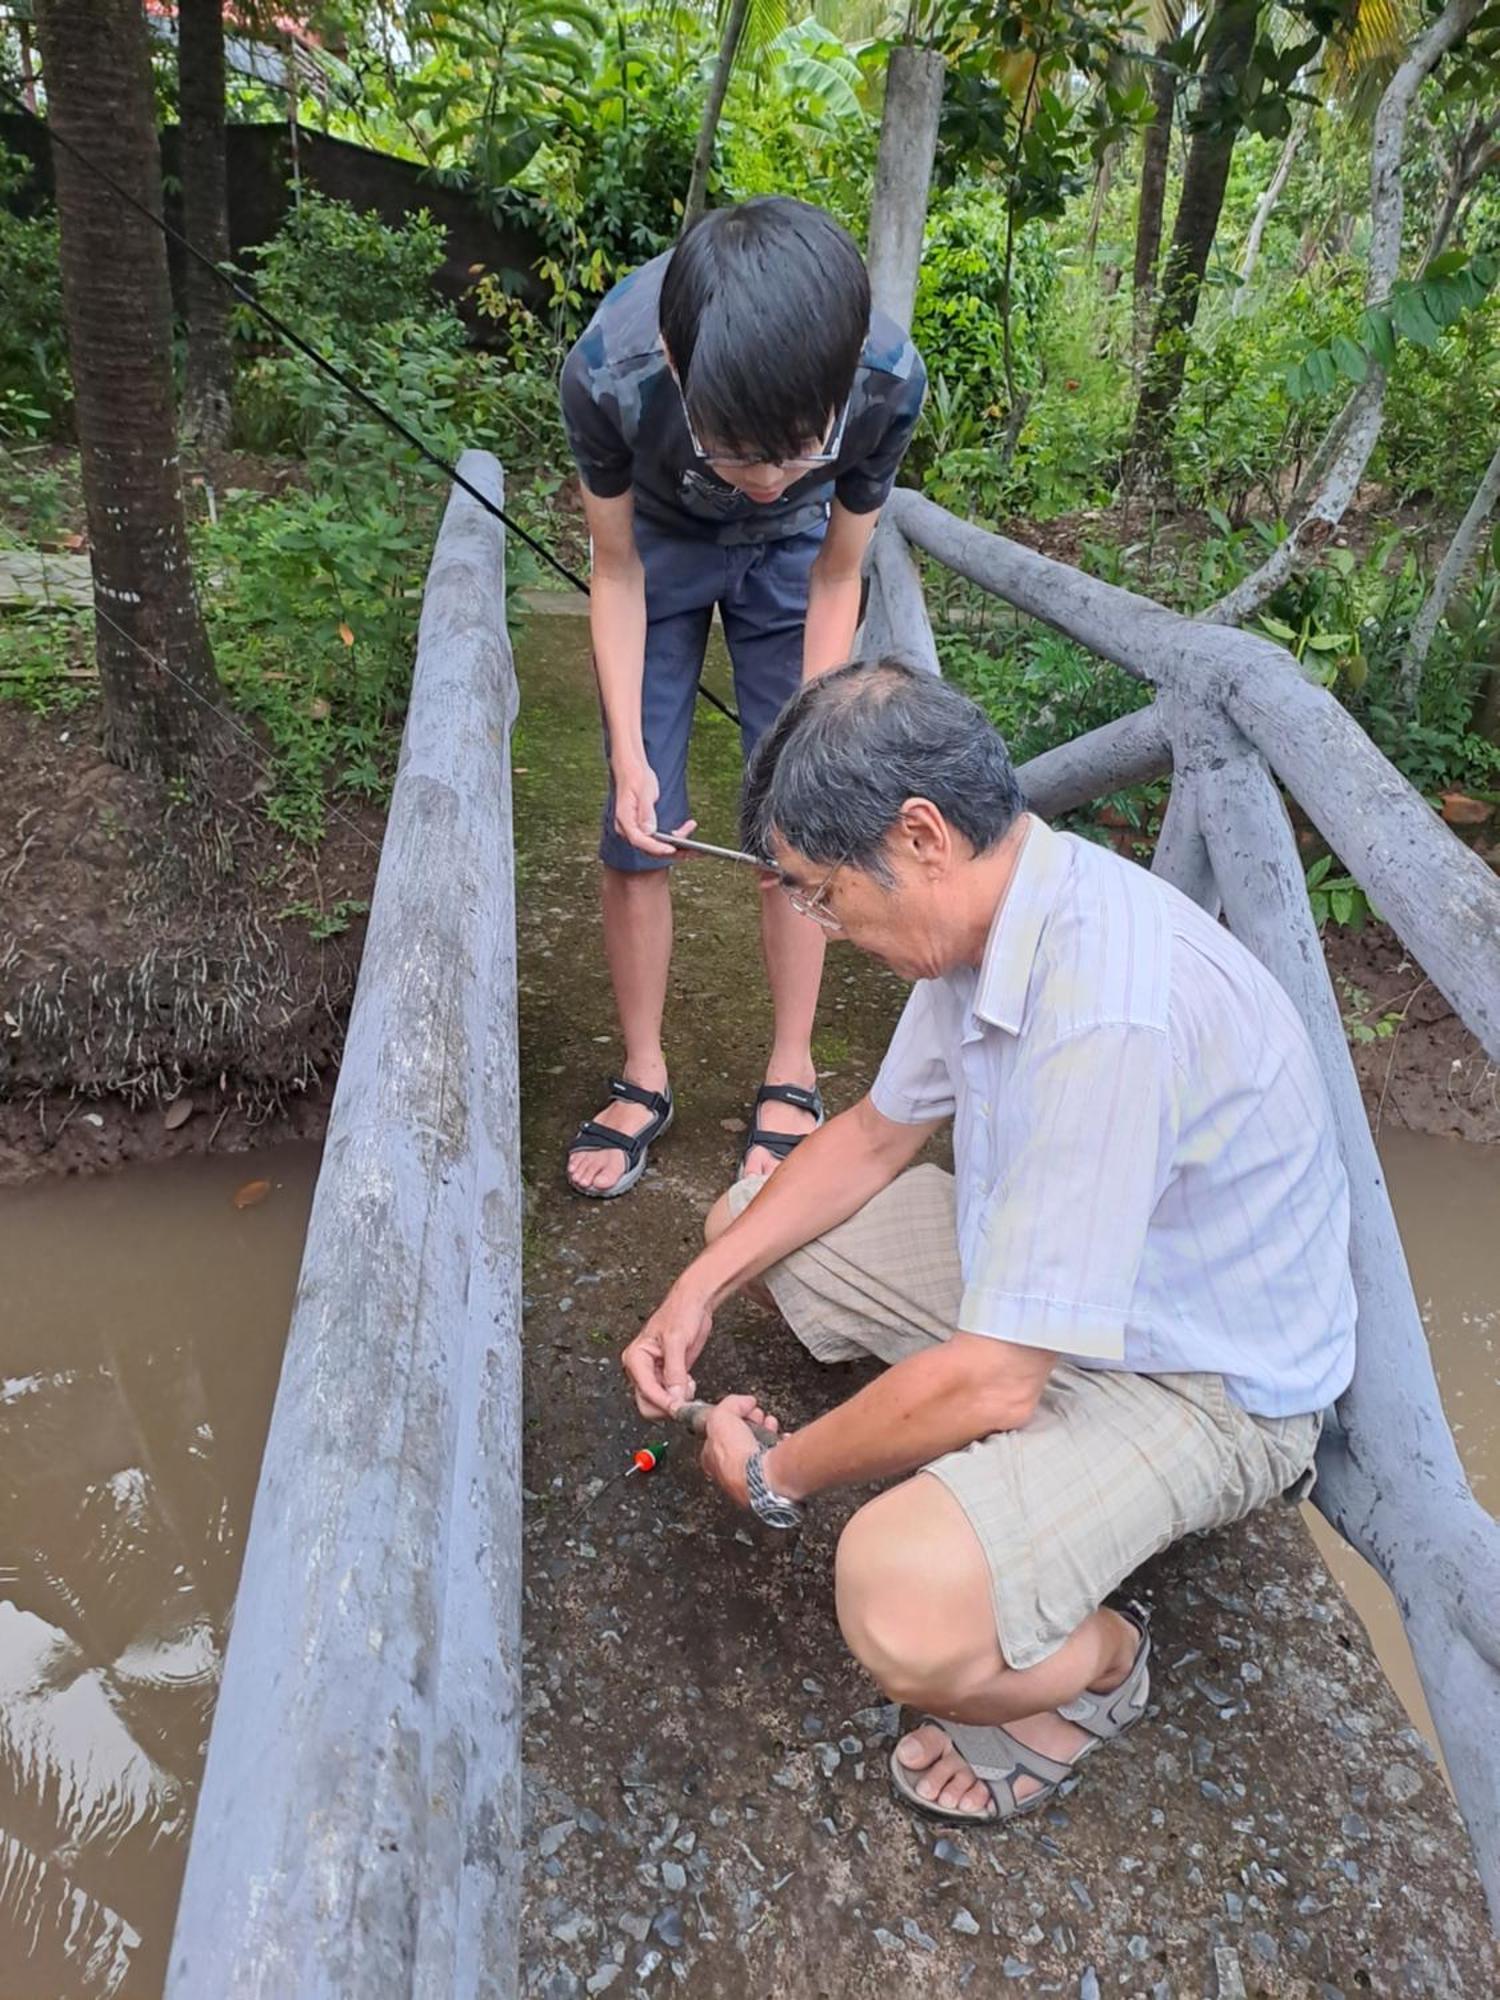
1147, 1175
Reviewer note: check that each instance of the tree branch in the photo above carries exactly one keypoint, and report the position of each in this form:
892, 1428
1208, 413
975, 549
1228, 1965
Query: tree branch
1453, 565
1366, 410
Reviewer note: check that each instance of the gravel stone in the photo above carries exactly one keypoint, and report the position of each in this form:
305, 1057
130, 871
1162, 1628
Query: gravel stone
950, 1854
1088, 1986
603, 1978
828, 1759
1138, 1947
850, 1745
1015, 1968
635, 1925
887, 1940
913, 1932
667, 1925
812, 1725
673, 1877
881, 1721
965, 1922
553, 1837
1265, 1947
576, 1925
649, 1962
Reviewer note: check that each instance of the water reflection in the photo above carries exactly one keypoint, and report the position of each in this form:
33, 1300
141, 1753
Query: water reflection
140, 1337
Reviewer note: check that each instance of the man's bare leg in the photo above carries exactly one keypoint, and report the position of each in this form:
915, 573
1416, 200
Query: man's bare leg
914, 1604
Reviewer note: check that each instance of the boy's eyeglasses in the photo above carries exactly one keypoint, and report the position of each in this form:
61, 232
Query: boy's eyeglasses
828, 455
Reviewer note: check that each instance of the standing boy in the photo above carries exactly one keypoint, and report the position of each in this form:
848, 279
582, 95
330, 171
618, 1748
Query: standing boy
737, 416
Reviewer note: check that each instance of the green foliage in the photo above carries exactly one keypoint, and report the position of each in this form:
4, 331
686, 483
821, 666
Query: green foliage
1336, 899
334, 273
35, 393
1419, 310
37, 649
1038, 689
962, 299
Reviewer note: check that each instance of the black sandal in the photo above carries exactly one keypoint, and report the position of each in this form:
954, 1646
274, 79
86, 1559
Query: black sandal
592, 1138
782, 1143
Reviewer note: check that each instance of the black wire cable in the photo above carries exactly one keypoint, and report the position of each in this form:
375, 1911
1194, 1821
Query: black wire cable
321, 360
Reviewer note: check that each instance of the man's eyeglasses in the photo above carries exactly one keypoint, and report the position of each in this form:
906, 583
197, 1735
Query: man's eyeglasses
814, 902
833, 443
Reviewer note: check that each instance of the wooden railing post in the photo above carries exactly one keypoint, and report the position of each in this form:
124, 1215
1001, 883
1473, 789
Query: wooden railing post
1390, 1479
903, 171
358, 1832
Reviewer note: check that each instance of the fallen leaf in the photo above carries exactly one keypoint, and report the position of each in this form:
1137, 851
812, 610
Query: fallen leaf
252, 1193
1460, 810
178, 1112
93, 1118
72, 541
732, 1125
346, 635
318, 709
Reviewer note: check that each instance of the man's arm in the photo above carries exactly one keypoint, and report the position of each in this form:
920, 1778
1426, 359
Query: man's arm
833, 591
922, 1407
617, 626
833, 1172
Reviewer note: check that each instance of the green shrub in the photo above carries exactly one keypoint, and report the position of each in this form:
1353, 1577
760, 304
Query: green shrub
961, 299
35, 388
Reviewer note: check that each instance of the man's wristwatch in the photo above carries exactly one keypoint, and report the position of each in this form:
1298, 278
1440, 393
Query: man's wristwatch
766, 1505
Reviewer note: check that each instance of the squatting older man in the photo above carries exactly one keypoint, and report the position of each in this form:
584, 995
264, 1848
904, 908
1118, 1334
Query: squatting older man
1116, 1322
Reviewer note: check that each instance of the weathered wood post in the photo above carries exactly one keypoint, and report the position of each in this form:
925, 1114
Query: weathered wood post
358, 1831
895, 617
903, 172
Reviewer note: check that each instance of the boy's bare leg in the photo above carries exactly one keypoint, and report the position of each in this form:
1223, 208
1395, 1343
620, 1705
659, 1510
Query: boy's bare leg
637, 909
792, 947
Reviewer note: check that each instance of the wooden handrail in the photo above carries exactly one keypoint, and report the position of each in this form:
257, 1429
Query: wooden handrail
359, 1826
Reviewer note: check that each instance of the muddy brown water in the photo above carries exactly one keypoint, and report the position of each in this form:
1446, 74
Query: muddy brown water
140, 1338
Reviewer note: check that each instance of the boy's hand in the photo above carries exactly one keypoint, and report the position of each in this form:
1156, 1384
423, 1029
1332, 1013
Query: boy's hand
636, 792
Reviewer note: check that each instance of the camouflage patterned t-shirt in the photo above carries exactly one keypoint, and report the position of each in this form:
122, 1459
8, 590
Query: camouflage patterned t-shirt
627, 429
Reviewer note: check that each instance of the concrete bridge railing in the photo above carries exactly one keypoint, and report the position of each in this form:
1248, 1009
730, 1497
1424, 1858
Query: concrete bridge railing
358, 1831
1234, 714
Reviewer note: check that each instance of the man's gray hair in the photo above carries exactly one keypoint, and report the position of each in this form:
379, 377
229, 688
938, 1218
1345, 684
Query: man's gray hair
831, 775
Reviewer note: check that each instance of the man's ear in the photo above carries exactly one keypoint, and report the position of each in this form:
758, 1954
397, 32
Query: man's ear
924, 836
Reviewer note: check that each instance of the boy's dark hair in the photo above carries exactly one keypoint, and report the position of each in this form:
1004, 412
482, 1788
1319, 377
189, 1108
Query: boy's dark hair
764, 311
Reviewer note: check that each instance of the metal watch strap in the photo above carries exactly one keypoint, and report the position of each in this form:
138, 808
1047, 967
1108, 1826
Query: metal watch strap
766, 1505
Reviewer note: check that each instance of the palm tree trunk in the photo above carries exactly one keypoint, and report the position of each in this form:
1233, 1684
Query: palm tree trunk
206, 401
162, 710
1154, 160
1231, 37
1267, 203
703, 152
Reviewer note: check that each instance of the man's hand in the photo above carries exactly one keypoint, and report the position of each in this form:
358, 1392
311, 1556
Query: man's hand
659, 1358
729, 1444
636, 792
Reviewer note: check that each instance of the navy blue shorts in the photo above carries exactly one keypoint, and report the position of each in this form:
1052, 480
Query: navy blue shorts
761, 592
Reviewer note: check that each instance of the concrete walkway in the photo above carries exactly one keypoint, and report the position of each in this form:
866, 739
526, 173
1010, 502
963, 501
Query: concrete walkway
28, 577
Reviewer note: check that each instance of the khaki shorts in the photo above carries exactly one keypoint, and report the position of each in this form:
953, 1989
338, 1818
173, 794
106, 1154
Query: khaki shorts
1110, 1469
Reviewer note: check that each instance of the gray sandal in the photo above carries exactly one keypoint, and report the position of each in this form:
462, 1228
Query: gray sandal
998, 1759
